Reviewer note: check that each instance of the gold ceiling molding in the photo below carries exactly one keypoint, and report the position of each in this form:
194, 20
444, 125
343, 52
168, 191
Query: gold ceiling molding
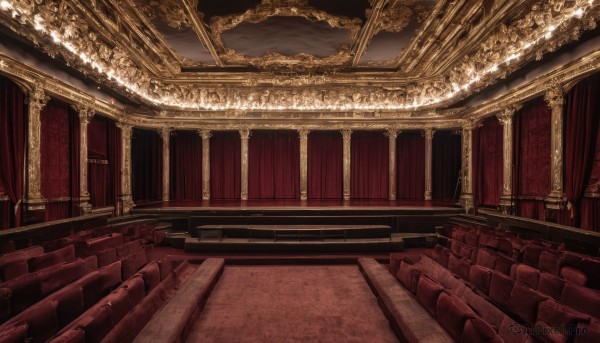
171, 12
285, 8
57, 28
395, 15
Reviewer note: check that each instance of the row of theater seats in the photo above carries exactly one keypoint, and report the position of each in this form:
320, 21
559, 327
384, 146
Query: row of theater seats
504, 304
34, 273
546, 256
85, 296
107, 243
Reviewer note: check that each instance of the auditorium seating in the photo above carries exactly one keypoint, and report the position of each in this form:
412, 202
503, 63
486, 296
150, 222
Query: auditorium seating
174, 322
526, 296
15, 264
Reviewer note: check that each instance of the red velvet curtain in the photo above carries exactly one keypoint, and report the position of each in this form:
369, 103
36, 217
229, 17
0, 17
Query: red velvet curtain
582, 116
60, 160
146, 166
532, 134
446, 165
487, 163
186, 166
104, 162
410, 165
369, 165
225, 165
13, 129
325, 165
274, 165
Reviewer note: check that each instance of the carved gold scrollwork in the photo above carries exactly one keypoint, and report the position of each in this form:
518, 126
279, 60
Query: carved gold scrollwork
428, 134
86, 112
126, 200
205, 134
37, 100
244, 136
555, 98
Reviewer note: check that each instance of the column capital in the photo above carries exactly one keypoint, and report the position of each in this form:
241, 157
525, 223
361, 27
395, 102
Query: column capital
555, 95
506, 115
165, 133
303, 133
205, 133
346, 134
469, 125
245, 133
86, 112
392, 133
428, 133
125, 127
37, 97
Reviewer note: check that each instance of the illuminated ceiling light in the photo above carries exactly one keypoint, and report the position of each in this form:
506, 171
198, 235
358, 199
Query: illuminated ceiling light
548, 35
5, 5
551, 28
578, 13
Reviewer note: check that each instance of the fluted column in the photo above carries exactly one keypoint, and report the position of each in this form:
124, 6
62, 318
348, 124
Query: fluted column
555, 99
346, 135
86, 113
35, 202
392, 134
245, 136
506, 119
205, 134
428, 133
303, 133
467, 166
165, 135
126, 200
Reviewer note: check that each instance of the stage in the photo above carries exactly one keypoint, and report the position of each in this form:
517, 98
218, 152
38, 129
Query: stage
296, 204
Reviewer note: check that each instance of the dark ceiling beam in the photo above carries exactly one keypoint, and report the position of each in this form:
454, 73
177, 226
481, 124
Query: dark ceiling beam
366, 33
201, 30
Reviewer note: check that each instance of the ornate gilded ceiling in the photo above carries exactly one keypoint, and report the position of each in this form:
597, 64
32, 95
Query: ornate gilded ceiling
297, 55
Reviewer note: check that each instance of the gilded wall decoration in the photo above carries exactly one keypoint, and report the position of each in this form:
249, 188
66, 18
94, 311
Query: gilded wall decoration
171, 12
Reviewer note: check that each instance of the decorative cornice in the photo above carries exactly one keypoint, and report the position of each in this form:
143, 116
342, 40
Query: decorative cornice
555, 95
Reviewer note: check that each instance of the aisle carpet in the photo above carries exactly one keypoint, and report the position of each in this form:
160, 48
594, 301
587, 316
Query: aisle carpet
292, 304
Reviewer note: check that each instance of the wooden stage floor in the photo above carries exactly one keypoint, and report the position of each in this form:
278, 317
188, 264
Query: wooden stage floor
291, 204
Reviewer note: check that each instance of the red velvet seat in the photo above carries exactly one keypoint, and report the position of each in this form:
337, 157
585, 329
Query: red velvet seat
111, 276
441, 255
69, 304
63, 255
573, 275
452, 313
526, 275
409, 276
459, 266
552, 314
42, 321
524, 302
480, 277
428, 291
471, 239
14, 269
581, 299
151, 275
135, 290
132, 263
477, 330
549, 261
96, 324
93, 289
500, 289
107, 257
551, 285
25, 291
118, 302
486, 259
16, 333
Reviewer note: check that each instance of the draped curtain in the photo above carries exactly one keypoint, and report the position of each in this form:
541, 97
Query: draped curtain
446, 165
146, 166
13, 128
532, 134
581, 123
104, 160
325, 165
369, 165
274, 165
410, 165
225, 165
487, 163
59, 165
186, 166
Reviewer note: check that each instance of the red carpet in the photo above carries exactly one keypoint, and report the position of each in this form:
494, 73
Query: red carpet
292, 304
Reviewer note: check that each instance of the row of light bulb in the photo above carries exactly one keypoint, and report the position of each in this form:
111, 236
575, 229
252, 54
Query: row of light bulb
59, 38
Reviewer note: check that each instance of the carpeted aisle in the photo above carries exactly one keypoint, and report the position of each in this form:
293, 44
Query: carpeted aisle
292, 304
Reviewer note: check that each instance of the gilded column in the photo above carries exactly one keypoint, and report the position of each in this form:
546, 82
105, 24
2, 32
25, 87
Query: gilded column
126, 199
86, 113
205, 134
35, 202
392, 134
428, 133
555, 99
303, 133
245, 136
506, 119
346, 135
467, 166
165, 134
